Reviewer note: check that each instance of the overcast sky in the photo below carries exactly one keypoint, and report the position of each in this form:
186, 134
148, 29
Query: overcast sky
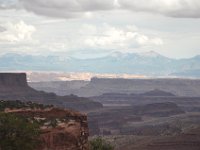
94, 28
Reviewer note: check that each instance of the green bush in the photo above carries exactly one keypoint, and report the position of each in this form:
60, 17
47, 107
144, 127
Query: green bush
17, 133
100, 144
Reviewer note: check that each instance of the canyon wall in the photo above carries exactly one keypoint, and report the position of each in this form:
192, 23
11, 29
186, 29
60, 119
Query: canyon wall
13, 79
69, 133
14, 86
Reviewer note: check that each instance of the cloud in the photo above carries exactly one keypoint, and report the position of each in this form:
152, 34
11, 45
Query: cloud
2, 29
17, 32
109, 37
172, 8
66, 8
77, 8
89, 39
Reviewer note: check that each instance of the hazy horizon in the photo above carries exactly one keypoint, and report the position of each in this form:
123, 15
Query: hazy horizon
85, 28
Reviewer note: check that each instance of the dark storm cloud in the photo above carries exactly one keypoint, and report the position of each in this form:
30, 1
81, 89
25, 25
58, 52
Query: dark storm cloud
66, 8
76, 8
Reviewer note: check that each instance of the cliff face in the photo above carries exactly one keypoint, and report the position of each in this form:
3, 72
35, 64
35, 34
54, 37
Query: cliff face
70, 132
13, 79
13, 86
99, 86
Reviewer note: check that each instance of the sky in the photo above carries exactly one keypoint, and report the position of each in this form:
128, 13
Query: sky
95, 28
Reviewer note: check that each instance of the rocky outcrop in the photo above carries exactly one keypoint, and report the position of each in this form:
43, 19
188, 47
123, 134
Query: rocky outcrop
69, 133
13, 79
13, 86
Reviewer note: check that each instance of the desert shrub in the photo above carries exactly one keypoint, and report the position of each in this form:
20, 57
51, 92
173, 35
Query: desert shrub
17, 133
18, 104
100, 144
53, 123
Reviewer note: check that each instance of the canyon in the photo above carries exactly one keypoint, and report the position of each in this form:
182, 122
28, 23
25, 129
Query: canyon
14, 86
184, 87
143, 113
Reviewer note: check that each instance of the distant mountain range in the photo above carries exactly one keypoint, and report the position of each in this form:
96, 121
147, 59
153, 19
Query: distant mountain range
150, 63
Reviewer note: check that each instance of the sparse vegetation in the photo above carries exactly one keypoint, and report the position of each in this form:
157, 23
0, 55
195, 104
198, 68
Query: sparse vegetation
17, 133
18, 104
100, 144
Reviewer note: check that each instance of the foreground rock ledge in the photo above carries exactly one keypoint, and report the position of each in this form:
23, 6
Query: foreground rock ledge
70, 133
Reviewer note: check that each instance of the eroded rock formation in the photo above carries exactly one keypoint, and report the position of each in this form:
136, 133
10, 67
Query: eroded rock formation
69, 133
13, 79
13, 86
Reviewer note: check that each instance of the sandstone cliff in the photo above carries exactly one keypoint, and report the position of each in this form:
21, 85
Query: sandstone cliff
69, 133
